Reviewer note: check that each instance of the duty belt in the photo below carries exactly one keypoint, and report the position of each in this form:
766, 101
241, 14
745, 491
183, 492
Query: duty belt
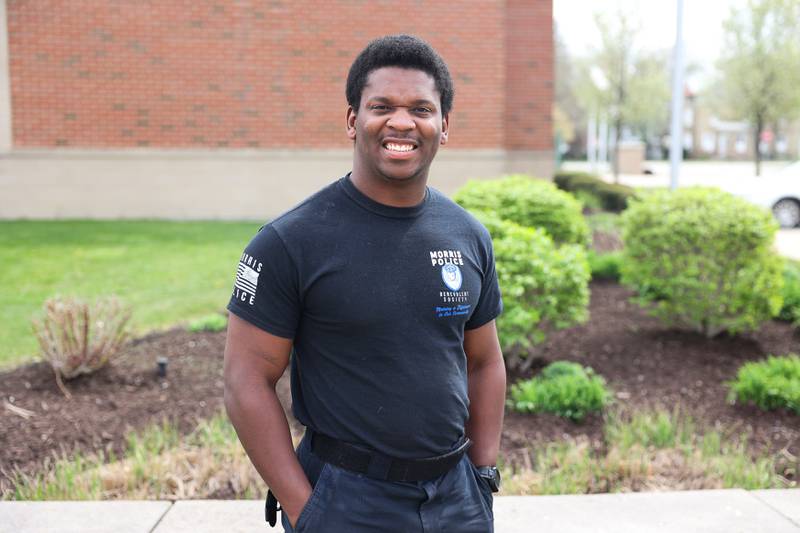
376, 465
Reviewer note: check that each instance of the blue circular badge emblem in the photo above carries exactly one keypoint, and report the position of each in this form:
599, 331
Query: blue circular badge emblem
451, 275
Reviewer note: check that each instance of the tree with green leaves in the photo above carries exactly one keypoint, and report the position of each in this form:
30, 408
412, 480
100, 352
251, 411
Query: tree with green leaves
629, 86
760, 65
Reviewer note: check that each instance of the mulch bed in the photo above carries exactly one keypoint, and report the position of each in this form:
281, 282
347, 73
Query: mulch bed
644, 363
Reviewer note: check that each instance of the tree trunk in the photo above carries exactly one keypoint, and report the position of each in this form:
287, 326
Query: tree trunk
617, 135
759, 128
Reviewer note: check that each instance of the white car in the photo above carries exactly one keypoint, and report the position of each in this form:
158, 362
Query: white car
779, 192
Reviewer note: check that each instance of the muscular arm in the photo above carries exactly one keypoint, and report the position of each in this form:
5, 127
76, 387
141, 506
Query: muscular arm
486, 374
254, 361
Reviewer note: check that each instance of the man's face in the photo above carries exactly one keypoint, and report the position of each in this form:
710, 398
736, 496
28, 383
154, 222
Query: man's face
399, 125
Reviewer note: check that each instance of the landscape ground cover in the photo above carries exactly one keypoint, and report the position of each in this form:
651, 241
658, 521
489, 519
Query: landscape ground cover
645, 365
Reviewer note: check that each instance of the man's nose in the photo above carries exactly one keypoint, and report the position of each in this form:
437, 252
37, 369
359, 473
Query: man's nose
401, 120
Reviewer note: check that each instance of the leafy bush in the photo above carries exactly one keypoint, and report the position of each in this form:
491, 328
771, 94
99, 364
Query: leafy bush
78, 338
611, 197
528, 202
605, 266
564, 388
769, 384
213, 322
543, 286
790, 312
704, 257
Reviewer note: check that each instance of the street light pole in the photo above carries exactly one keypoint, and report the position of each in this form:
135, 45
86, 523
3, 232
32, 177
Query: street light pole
676, 128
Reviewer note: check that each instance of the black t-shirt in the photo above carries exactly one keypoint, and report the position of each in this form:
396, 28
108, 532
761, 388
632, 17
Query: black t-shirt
376, 299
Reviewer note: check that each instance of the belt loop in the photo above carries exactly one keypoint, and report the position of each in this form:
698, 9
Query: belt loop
379, 466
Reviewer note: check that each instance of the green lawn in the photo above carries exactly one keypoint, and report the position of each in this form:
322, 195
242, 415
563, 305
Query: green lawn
168, 272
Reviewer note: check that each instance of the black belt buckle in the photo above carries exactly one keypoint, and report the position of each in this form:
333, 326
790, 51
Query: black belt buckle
271, 509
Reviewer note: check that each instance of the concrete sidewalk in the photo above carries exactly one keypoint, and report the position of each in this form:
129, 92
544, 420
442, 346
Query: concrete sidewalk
707, 511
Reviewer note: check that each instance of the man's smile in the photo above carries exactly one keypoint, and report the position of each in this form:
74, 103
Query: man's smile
399, 148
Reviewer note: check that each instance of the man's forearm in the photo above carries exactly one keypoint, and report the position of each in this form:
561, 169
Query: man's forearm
262, 427
487, 393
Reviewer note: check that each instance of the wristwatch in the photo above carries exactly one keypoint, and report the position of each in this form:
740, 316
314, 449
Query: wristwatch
492, 476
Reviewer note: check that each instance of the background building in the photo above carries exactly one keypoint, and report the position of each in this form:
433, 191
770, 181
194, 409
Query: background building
223, 109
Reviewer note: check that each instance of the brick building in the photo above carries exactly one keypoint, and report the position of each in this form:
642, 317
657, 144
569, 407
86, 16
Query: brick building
236, 109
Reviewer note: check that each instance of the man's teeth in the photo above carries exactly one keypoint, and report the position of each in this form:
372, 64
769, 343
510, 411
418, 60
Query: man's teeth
399, 147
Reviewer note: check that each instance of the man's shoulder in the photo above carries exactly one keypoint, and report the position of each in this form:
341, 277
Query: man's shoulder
316, 205
301, 222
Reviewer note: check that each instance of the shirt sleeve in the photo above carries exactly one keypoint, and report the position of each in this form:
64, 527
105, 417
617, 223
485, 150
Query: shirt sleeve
490, 302
265, 291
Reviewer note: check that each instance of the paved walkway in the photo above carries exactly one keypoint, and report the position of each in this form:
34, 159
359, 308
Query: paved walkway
707, 511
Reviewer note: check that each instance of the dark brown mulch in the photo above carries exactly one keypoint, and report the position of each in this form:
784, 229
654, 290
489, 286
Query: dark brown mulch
636, 355
649, 366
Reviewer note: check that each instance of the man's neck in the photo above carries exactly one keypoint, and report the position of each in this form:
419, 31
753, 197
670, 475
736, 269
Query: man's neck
393, 193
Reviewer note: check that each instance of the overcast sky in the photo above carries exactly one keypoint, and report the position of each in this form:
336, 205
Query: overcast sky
702, 25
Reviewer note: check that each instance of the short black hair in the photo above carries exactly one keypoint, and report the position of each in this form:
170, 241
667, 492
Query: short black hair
405, 51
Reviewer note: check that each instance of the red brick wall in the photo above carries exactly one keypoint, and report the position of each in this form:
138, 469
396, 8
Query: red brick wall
205, 74
529, 75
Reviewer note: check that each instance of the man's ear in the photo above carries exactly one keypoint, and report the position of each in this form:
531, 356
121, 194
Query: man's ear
351, 123
445, 129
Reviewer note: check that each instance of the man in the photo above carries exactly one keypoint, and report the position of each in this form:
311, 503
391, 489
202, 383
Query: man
383, 294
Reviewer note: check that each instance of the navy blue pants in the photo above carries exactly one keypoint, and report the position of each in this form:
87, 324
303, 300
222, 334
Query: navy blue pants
346, 502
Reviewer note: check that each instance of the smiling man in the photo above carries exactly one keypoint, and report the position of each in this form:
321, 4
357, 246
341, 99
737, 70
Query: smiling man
382, 295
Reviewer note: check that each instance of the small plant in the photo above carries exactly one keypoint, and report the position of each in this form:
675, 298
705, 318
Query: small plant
790, 312
213, 322
564, 388
769, 384
529, 202
704, 258
78, 338
605, 266
544, 287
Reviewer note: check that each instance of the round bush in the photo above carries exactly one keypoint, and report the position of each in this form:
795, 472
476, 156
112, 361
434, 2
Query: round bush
563, 388
528, 202
769, 384
543, 285
704, 258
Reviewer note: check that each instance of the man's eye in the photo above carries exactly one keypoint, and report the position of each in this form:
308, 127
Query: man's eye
423, 110
379, 107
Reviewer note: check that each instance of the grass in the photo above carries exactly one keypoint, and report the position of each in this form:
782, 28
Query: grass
647, 451
167, 271
158, 464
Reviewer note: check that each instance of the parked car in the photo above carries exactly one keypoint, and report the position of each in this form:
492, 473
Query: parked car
779, 192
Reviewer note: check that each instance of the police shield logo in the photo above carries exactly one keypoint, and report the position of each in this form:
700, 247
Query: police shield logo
451, 275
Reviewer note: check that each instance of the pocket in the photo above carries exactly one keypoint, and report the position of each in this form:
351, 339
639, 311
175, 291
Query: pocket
483, 487
308, 511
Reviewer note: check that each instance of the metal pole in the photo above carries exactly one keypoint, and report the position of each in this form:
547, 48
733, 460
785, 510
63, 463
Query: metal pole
676, 128
591, 144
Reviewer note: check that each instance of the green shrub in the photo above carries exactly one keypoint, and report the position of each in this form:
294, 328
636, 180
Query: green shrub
611, 197
790, 312
769, 384
543, 285
704, 257
605, 266
528, 202
212, 322
564, 388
